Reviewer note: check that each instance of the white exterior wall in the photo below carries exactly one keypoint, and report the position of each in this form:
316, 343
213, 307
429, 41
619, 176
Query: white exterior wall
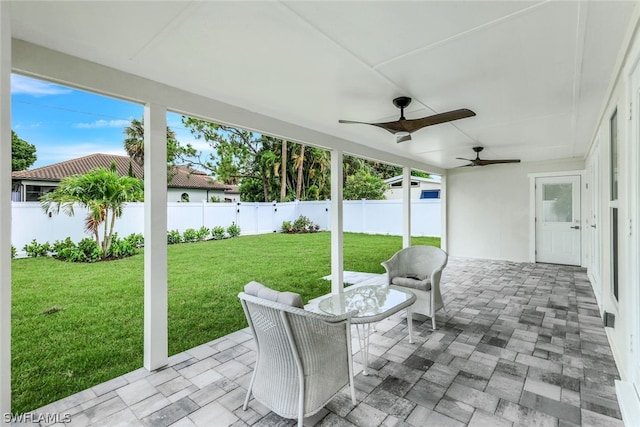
489, 211
197, 195
624, 337
395, 193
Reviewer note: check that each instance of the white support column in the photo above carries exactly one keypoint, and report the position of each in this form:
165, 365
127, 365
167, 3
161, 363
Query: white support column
156, 343
337, 257
443, 213
406, 207
5, 210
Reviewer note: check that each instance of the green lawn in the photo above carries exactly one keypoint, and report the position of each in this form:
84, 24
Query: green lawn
77, 325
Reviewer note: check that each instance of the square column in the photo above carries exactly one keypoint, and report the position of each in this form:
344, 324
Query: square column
337, 255
156, 342
406, 207
5, 209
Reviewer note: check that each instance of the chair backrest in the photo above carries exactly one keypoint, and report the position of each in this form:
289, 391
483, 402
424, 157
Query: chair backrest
421, 260
293, 343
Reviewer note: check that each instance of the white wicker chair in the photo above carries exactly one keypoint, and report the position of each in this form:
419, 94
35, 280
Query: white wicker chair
303, 358
419, 268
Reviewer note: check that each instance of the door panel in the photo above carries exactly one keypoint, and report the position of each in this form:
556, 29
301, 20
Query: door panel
558, 235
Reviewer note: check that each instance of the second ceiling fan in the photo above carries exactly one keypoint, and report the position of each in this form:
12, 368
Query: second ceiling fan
402, 128
481, 162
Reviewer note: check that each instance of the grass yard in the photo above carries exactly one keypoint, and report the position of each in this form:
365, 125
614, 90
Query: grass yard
77, 325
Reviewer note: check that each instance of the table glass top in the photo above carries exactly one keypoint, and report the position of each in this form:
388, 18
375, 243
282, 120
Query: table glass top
367, 300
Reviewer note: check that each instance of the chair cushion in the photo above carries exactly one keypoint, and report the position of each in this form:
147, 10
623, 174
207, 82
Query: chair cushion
413, 282
261, 291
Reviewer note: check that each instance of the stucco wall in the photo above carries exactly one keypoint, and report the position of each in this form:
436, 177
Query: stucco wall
488, 209
395, 193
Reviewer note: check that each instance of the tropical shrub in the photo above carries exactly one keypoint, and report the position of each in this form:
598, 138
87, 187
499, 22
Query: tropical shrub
190, 235
233, 230
35, 249
60, 245
136, 239
87, 250
173, 237
217, 232
202, 233
300, 225
287, 227
120, 248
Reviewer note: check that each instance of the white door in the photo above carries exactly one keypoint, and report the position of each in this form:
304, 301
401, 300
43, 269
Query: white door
595, 258
558, 219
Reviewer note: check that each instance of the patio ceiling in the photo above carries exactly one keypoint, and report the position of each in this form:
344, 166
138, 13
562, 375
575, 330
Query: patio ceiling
536, 73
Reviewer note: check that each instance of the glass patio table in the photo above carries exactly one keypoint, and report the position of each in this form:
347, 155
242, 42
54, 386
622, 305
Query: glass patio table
373, 304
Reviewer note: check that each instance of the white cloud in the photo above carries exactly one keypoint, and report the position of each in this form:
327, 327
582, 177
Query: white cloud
26, 86
103, 124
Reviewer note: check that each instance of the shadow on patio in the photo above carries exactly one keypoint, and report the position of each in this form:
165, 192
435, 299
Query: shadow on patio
520, 345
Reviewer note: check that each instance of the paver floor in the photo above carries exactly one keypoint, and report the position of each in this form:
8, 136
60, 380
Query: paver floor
520, 345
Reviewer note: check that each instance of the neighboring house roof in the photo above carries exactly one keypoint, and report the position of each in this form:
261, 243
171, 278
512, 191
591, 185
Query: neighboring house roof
186, 177
414, 179
181, 176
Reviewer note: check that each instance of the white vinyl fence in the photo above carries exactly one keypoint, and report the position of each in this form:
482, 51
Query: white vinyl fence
30, 222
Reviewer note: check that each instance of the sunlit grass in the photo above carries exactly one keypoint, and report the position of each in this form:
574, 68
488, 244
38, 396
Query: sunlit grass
77, 325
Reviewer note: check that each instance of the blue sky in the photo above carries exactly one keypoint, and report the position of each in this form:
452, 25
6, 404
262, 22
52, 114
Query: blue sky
64, 123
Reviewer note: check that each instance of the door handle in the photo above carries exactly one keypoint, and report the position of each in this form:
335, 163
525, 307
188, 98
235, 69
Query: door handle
576, 227
593, 226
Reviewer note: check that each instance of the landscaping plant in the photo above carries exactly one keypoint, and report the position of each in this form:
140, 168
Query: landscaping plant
217, 232
233, 230
103, 192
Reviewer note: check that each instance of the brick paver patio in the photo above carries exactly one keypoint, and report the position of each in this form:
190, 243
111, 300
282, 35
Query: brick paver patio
521, 345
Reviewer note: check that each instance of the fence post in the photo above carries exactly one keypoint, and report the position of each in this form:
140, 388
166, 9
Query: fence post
274, 217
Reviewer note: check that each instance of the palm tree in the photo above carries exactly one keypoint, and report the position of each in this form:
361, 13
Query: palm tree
102, 192
283, 172
134, 143
299, 165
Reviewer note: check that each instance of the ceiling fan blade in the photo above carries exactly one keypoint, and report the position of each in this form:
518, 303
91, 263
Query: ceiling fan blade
449, 116
392, 127
483, 162
412, 125
462, 158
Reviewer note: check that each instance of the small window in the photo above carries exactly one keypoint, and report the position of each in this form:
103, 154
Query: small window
184, 197
430, 194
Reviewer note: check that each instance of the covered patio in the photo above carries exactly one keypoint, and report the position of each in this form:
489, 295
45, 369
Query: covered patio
521, 345
553, 84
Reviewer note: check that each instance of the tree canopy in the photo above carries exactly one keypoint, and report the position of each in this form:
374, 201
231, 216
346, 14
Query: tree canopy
134, 144
364, 185
267, 168
23, 154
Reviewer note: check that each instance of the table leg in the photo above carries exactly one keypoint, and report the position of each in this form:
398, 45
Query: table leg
410, 324
363, 339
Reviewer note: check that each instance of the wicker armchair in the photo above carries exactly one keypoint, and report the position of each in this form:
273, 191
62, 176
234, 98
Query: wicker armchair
303, 358
419, 268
